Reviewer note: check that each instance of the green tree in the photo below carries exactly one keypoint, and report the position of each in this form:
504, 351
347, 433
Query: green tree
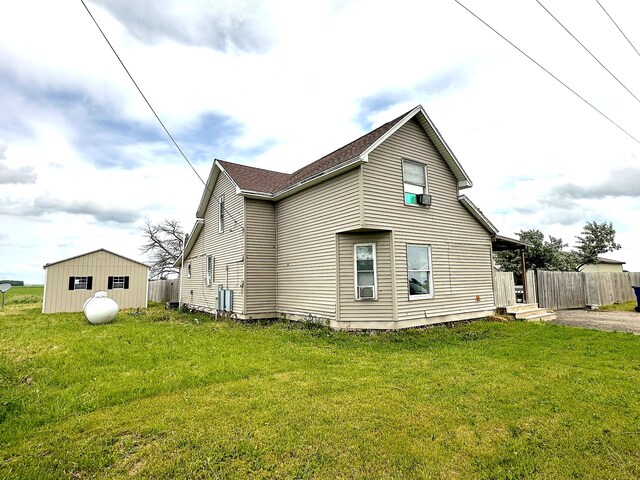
541, 255
596, 238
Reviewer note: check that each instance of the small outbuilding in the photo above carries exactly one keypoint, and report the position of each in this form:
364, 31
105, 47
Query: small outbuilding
70, 282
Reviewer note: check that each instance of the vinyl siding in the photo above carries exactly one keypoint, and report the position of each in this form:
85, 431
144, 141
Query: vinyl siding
99, 265
461, 247
358, 314
227, 249
306, 247
260, 284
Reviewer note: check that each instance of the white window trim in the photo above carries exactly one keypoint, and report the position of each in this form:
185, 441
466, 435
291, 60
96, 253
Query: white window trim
422, 296
426, 181
189, 270
221, 214
355, 270
120, 285
77, 284
209, 262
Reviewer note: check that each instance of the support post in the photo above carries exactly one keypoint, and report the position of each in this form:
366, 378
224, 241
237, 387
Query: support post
523, 270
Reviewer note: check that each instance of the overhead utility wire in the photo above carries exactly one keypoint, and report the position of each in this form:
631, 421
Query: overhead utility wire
548, 72
614, 22
143, 96
587, 50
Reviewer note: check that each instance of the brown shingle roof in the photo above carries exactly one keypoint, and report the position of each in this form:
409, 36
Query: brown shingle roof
268, 181
252, 178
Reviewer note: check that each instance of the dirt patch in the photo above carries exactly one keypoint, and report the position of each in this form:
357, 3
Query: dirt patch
594, 319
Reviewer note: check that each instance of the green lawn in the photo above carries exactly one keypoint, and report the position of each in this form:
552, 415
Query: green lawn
23, 295
620, 307
169, 395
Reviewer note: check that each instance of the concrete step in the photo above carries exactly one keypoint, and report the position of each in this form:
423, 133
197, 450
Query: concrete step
542, 317
520, 307
532, 312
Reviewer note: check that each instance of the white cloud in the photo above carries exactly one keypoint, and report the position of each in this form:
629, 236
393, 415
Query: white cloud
279, 84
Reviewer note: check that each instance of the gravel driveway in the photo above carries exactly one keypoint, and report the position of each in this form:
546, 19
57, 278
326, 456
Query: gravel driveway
594, 319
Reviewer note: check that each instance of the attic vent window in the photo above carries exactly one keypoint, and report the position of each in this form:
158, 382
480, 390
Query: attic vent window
414, 176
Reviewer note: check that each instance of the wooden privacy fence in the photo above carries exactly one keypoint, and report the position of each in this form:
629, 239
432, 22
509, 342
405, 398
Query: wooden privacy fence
505, 288
576, 289
164, 290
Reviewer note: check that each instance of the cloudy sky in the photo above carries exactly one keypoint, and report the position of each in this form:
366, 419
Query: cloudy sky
277, 84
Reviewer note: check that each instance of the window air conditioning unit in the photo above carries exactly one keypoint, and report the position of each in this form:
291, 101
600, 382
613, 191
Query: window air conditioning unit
424, 200
365, 292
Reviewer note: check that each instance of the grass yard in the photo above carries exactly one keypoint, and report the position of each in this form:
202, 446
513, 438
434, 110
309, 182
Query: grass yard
24, 295
171, 395
620, 307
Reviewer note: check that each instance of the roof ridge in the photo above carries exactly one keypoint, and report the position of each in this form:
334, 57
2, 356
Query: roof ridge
273, 181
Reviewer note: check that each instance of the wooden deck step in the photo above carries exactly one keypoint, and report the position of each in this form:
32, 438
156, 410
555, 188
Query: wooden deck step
528, 312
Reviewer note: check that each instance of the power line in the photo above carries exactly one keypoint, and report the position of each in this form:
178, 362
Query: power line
548, 72
614, 22
587, 50
143, 96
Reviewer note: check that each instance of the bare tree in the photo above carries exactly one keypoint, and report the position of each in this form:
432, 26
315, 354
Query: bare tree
163, 243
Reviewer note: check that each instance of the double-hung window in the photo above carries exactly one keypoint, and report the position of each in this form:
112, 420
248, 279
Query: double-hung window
419, 271
365, 271
221, 214
414, 175
210, 266
118, 283
80, 283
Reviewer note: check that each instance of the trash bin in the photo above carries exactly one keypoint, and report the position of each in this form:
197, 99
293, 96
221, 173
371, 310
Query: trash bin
637, 290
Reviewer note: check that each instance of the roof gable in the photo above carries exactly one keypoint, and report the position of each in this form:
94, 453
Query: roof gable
269, 184
91, 253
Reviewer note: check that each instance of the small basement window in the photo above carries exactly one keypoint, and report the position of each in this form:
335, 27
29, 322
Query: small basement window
414, 175
365, 271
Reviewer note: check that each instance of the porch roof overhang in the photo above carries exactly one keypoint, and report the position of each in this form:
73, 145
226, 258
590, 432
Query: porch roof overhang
501, 244
366, 229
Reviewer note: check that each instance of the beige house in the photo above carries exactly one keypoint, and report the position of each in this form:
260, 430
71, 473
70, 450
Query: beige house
604, 265
70, 282
374, 235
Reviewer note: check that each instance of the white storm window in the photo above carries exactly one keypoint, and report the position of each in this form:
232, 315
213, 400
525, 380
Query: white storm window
419, 271
189, 270
414, 176
210, 266
365, 271
221, 214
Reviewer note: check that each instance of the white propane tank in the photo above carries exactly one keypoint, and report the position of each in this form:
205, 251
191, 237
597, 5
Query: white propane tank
100, 309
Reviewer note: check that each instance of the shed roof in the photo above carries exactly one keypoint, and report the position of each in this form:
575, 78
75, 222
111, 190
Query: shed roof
610, 261
94, 251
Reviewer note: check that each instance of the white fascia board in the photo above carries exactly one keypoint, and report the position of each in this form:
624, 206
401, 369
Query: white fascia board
463, 179
195, 231
475, 211
321, 177
308, 182
208, 188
